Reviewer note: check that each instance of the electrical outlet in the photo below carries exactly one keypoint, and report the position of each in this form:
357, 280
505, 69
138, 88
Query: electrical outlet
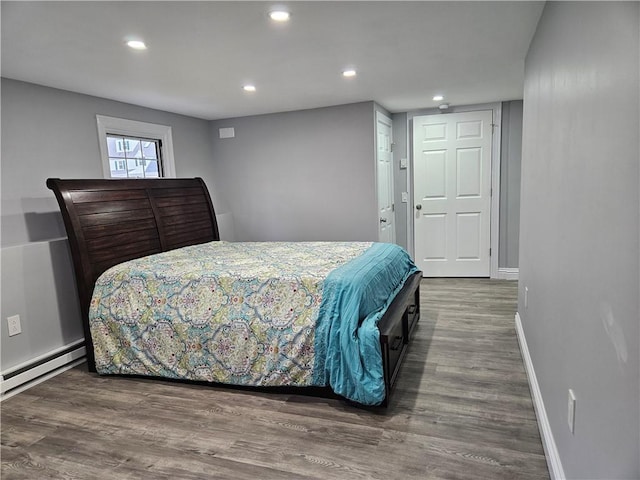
571, 411
13, 323
526, 297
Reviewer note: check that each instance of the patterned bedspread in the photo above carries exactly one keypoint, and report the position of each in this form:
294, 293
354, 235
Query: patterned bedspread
235, 313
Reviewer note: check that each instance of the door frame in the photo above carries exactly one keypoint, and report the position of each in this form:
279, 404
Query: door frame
387, 119
495, 175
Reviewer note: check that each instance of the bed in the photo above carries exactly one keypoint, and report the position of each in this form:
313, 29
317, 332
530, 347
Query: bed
162, 296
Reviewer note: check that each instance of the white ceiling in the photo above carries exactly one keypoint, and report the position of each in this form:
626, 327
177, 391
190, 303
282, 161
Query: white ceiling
201, 53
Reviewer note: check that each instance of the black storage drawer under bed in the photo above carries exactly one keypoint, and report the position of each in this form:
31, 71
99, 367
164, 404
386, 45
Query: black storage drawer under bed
396, 326
394, 343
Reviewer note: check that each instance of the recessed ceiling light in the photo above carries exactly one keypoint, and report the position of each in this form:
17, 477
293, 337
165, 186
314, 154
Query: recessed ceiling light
438, 98
349, 73
136, 44
249, 88
279, 15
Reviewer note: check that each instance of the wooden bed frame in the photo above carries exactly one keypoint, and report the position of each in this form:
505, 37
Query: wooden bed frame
111, 221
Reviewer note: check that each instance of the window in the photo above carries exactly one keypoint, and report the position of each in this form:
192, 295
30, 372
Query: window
131, 157
131, 149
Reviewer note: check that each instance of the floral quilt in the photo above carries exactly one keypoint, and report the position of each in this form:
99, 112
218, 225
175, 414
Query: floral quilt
235, 313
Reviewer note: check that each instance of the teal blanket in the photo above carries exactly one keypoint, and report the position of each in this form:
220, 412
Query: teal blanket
347, 343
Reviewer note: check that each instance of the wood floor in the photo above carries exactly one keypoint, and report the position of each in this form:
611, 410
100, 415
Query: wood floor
462, 410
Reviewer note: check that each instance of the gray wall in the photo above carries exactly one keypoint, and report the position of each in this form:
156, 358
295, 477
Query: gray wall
510, 159
304, 175
579, 252
52, 133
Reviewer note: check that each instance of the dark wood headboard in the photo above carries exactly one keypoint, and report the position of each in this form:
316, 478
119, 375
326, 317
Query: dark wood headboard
112, 221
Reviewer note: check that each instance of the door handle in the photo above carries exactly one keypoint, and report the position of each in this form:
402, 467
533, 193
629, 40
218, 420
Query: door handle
418, 207
383, 220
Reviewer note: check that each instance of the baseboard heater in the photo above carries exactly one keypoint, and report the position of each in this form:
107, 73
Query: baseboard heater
20, 377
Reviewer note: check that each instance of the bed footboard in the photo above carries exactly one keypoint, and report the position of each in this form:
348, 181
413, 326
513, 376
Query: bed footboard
396, 327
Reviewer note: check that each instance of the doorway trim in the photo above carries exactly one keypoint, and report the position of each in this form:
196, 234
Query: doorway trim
384, 118
495, 175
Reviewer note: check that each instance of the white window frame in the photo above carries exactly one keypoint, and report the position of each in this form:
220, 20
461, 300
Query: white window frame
121, 126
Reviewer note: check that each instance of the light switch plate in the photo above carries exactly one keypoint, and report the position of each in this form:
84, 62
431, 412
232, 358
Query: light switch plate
405, 197
403, 163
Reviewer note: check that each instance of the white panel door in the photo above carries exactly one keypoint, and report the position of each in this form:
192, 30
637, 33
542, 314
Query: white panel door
452, 193
384, 173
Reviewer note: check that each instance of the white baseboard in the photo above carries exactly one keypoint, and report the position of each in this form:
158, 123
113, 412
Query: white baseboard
508, 273
20, 377
551, 451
